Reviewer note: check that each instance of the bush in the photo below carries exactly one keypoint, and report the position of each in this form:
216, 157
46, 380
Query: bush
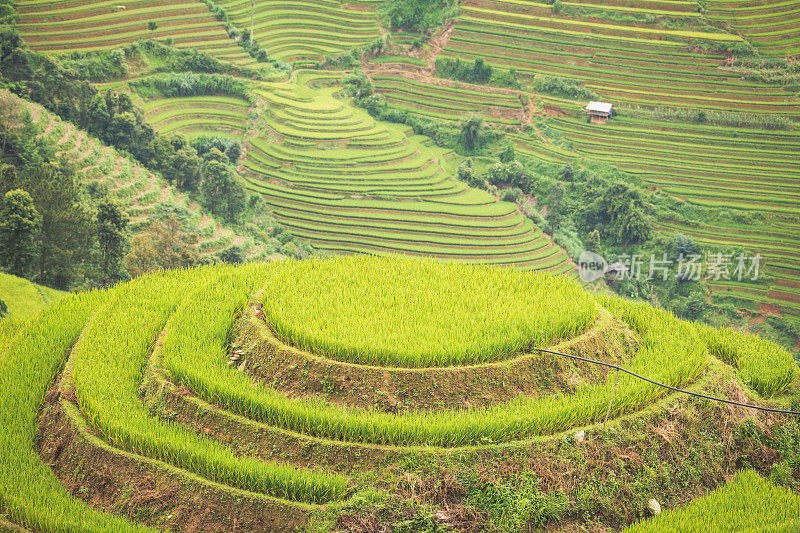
562, 87
511, 195
191, 84
418, 15
456, 68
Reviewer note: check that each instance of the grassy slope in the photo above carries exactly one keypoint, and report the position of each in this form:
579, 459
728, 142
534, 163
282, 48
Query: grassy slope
144, 196
192, 313
748, 500
24, 298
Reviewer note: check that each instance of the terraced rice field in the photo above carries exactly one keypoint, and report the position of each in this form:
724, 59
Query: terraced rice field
200, 418
198, 115
306, 30
143, 196
719, 168
627, 64
449, 103
336, 177
84, 25
773, 26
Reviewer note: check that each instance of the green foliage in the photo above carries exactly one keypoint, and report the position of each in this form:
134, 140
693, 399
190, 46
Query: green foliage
170, 59
3, 309
191, 84
458, 69
417, 15
65, 231
562, 87
8, 13
377, 328
619, 211
162, 245
232, 148
765, 366
19, 227
103, 65
111, 236
357, 85
512, 173
518, 506
474, 132
9, 39
221, 192
747, 500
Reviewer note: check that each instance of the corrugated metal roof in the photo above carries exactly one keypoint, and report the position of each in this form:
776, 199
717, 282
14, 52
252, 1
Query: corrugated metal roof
599, 107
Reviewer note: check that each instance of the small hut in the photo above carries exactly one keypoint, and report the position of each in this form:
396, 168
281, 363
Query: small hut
599, 112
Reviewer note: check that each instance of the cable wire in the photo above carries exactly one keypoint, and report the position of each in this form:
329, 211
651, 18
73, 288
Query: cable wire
699, 395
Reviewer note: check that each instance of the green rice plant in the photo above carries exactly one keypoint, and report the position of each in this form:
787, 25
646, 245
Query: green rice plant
670, 353
765, 366
108, 365
30, 492
746, 501
388, 312
24, 298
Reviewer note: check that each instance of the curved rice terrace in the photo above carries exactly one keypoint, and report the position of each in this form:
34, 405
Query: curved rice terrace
771, 26
652, 62
197, 418
83, 25
307, 30
335, 176
371, 392
194, 116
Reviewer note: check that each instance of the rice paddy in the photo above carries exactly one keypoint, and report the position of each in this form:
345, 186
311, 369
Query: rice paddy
148, 369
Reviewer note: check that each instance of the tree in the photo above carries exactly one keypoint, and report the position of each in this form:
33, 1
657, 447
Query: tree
473, 132
111, 227
593, 241
416, 15
163, 245
66, 226
19, 226
152, 26
618, 211
122, 129
184, 170
555, 203
9, 40
221, 193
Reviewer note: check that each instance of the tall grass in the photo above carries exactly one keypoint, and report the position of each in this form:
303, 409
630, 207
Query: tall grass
419, 313
671, 352
765, 366
29, 491
109, 362
744, 502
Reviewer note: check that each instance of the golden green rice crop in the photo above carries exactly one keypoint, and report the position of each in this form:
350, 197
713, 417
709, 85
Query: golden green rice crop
420, 313
747, 500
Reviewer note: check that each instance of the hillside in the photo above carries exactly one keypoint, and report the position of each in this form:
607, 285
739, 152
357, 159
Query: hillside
315, 434
62, 27
718, 135
145, 197
538, 266
25, 299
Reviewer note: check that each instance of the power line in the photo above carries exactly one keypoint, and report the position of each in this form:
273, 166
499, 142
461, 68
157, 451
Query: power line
684, 391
